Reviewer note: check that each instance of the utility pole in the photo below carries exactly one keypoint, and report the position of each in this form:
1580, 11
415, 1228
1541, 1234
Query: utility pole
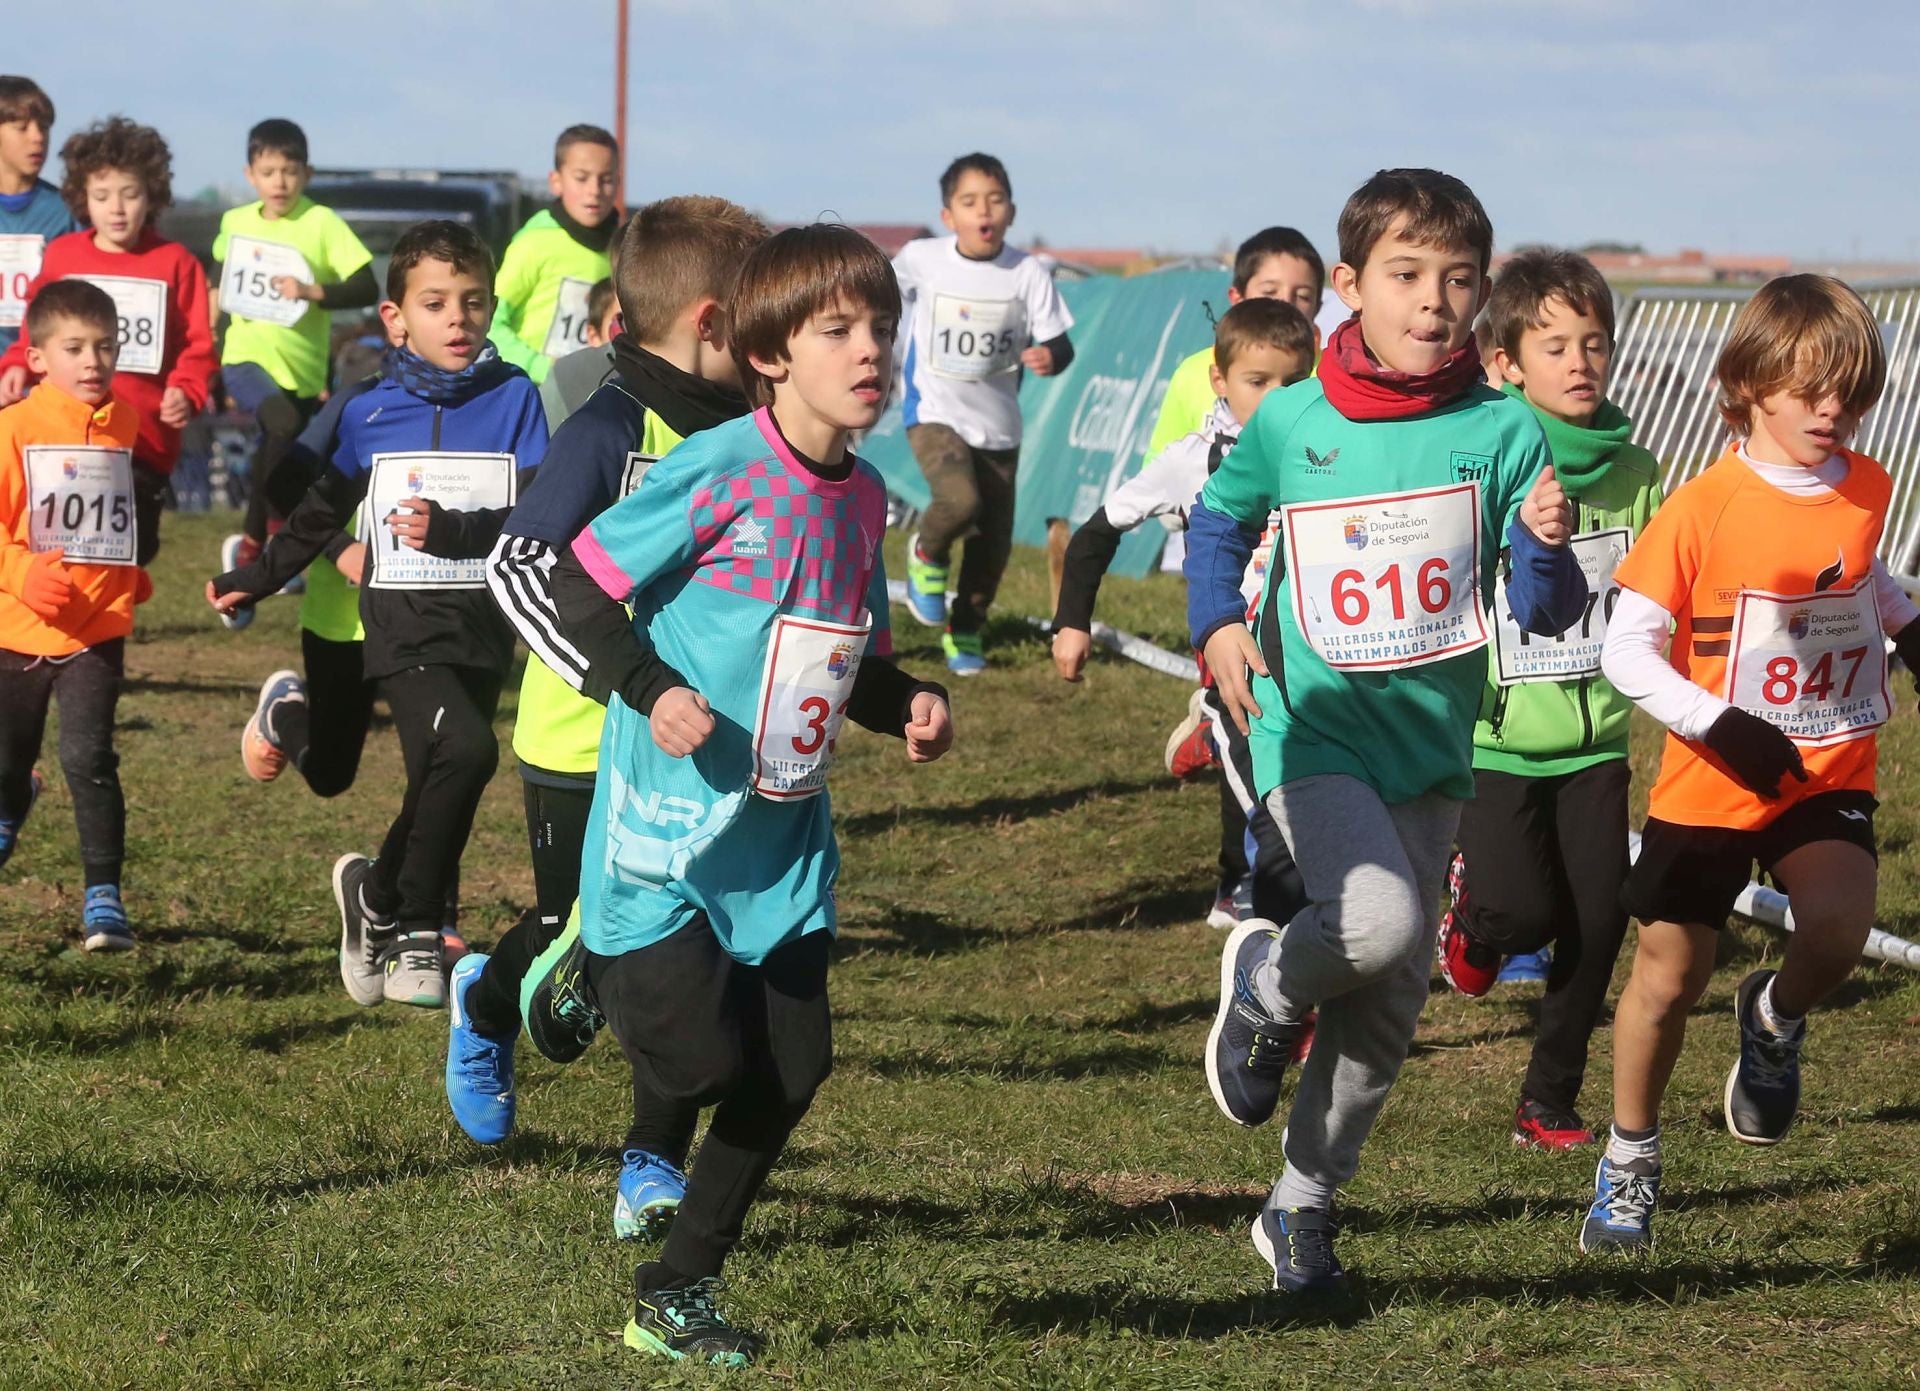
620, 100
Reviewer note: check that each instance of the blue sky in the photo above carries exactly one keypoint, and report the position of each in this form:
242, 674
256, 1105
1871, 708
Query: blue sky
1757, 127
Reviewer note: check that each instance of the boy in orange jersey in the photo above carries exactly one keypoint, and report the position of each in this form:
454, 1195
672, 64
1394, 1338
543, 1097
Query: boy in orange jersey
68, 583
1763, 569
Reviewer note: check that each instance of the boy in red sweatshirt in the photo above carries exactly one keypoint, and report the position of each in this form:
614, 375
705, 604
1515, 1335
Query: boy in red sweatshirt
119, 179
68, 583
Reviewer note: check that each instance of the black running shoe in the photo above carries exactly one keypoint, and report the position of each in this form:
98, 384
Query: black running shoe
1763, 1090
683, 1322
1298, 1244
1247, 1050
562, 1013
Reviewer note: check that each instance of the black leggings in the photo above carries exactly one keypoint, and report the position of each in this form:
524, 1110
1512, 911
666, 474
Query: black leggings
151, 489
556, 829
87, 685
1546, 859
444, 716
325, 737
1278, 893
282, 417
701, 1029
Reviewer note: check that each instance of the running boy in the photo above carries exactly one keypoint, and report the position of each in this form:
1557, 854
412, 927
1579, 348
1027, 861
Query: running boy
286, 264
978, 312
1259, 345
552, 264
1399, 475
119, 178
434, 451
1543, 843
32, 211
68, 584
580, 373
1763, 570
751, 556
673, 377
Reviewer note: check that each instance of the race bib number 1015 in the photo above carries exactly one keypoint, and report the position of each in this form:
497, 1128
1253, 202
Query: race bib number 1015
80, 500
1387, 582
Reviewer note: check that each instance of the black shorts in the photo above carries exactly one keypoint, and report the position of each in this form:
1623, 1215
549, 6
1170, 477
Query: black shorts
1693, 874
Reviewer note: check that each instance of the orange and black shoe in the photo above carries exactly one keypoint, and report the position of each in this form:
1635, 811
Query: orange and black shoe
1537, 1125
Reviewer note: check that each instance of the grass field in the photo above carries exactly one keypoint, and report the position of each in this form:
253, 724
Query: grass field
216, 1171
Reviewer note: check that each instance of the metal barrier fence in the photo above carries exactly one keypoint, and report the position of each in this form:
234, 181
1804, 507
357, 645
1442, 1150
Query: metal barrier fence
1668, 342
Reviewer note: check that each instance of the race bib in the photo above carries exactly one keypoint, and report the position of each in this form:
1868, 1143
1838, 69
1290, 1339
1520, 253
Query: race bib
19, 263
1387, 582
142, 308
568, 330
811, 664
1521, 657
1813, 665
80, 500
246, 281
459, 483
976, 338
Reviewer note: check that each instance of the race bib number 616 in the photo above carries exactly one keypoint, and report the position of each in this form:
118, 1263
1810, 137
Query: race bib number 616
1387, 582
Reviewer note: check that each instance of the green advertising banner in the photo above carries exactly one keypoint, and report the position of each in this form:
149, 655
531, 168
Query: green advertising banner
1086, 428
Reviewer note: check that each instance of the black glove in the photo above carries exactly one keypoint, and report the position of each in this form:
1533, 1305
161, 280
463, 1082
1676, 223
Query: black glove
246, 580
1755, 752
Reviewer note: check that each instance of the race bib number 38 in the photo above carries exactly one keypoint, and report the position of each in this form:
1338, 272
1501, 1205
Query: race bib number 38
1387, 582
246, 281
20, 254
976, 338
142, 309
1522, 656
1814, 665
458, 482
811, 666
81, 501
568, 330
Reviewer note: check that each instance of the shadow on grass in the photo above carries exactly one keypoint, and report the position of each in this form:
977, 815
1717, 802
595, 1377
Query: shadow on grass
1016, 1065
280, 1037
909, 933
990, 811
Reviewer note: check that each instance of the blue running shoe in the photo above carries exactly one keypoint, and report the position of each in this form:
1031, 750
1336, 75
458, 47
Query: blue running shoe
10, 830
1763, 1089
1247, 1049
479, 1069
650, 1194
1624, 1197
1528, 966
926, 587
1298, 1243
964, 656
105, 920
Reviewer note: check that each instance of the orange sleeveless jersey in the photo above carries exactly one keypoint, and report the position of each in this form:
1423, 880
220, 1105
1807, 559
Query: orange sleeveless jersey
1726, 531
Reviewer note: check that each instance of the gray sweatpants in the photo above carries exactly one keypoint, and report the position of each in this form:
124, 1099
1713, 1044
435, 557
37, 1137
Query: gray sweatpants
1360, 953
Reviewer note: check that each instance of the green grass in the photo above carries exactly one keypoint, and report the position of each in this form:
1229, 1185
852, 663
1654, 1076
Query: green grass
215, 1171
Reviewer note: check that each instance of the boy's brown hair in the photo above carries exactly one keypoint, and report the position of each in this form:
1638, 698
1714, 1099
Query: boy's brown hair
1264, 245
790, 277
599, 299
439, 239
676, 251
583, 135
119, 144
1267, 323
70, 299
1534, 279
1804, 334
1440, 211
22, 100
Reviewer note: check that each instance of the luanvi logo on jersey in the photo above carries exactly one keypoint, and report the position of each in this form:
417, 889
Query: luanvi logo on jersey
749, 537
1471, 468
1320, 463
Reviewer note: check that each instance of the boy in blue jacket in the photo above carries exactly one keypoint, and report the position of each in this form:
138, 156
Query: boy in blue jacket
433, 455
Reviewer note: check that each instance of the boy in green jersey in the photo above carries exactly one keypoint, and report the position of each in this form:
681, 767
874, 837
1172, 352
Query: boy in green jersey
1399, 475
552, 264
285, 263
1545, 836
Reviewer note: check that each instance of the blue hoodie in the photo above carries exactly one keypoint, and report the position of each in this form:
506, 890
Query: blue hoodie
39, 212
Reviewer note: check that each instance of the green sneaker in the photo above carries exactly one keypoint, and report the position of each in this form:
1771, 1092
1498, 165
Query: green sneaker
563, 1018
964, 657
926, 586
683, 1322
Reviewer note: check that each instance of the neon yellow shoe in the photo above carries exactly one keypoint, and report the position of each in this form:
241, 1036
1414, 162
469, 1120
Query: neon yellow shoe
926, 586
964, 657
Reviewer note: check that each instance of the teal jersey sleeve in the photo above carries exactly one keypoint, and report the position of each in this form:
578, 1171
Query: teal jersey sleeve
648, 534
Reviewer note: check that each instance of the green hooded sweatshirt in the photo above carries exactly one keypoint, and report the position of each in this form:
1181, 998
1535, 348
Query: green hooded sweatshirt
1532, 723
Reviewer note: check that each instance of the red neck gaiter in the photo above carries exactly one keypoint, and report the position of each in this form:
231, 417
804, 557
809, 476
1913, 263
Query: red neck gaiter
1361, 389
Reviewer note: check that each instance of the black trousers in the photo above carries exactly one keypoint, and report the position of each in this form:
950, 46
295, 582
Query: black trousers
151, 490
1546, 859
444, 716
556, 829
325, 737
701, 1029
1278, 893
282, 416
87, 685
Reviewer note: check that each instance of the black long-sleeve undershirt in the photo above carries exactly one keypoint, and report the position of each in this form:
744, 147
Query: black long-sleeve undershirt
1089, 554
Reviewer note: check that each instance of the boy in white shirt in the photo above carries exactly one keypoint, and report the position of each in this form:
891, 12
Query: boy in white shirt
978, 312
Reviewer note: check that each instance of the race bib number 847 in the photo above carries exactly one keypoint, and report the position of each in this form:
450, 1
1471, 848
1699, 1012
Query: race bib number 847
1814, 665
1390, 581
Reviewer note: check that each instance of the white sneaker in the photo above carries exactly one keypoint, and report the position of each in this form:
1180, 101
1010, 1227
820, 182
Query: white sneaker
415, 970
362, 939
230, 560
